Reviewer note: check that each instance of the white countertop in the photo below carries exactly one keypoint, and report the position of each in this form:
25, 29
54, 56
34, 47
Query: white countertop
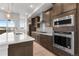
18, 41
28, 38
11, 40
4, 42
47, 33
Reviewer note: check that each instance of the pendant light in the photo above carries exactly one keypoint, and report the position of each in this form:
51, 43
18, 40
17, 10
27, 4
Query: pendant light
8, 15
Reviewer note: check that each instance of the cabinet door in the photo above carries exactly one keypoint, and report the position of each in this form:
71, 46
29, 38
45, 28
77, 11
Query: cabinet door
21, 49
37, 38
46, 41
34, 35
68, 6
16, 51
47, 18
57, 9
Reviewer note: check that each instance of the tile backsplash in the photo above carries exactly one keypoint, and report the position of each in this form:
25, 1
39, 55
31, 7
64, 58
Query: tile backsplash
48, 29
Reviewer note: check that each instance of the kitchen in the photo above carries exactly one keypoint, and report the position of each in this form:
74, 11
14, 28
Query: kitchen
53, 26
58, 30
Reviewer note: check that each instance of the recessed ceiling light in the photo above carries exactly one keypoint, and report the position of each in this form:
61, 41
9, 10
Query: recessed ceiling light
31, 6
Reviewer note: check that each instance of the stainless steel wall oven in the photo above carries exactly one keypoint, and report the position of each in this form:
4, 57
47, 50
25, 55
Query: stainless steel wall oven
64, 41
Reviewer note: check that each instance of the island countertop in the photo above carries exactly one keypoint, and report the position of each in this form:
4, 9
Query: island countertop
4, 45
27, 39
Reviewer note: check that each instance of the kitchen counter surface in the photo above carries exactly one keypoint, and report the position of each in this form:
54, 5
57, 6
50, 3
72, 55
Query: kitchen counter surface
44, 33
27, 39
4, 45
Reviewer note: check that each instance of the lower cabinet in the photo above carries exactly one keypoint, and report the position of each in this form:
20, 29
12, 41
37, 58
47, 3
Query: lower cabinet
47, 42
38, 38
21, 49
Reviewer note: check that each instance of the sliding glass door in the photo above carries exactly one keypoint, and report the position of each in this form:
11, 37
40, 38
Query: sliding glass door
11, 30
7, 30
3, 34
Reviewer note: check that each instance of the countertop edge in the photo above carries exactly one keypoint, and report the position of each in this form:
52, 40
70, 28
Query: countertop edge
49, 34
18, 41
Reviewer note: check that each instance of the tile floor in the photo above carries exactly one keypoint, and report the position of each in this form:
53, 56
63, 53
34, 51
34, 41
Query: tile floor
38, 50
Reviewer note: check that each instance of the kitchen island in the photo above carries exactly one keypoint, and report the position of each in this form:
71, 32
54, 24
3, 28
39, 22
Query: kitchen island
23, 47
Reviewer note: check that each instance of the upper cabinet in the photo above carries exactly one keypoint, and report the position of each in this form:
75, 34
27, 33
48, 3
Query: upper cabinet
47, 17
57, 9
35, 21
68, 6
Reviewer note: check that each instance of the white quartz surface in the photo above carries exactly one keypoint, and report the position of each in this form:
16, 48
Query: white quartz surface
47, 33
12, 40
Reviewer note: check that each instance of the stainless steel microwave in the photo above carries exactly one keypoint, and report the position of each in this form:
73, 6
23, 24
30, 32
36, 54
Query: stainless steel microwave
64, 21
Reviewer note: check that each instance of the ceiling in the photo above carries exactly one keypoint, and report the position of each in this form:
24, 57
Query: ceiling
25, 9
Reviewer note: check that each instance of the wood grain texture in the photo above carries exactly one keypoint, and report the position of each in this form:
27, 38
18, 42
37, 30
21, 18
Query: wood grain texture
77, 31
21, 49
47, 42
67, 9
68, 6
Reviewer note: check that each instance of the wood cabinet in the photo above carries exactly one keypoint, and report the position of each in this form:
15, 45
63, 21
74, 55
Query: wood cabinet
47, 42
31, 28
35, 24
68, 6
57, 9
36, 36
66, 9
48, 17
77, 31
35, 21
21, 49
